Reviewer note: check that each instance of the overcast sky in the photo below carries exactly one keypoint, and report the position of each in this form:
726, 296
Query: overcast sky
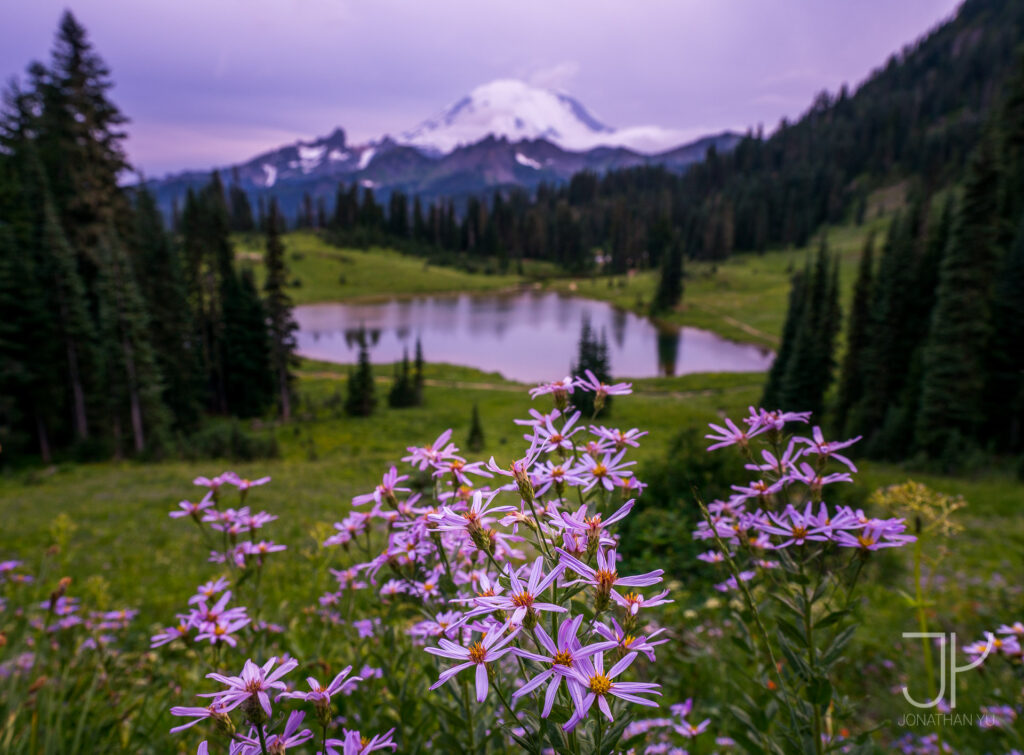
211, 82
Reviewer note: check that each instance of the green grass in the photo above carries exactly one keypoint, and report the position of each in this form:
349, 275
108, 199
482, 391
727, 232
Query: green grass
743, 298
119, 509
326, 273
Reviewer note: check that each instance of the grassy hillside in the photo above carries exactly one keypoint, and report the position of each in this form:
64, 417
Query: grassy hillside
321, 272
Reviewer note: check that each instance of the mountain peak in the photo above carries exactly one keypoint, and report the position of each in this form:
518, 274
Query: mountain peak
513, 109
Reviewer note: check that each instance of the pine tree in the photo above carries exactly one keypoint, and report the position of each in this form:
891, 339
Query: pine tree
403, 390
953, 382
1005, 390
361, 399
670, 281
241, 211
592, 354
249, 383
280, 323
772, 397
80, 140
417, 376
851, 383
161, 282
131, 379
475, 439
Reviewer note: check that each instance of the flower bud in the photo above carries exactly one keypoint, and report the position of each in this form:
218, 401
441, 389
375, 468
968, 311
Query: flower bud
523, 482
254, 712
561, 396
223, 723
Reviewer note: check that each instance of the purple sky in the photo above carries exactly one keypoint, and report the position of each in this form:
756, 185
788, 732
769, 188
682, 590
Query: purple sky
210, 82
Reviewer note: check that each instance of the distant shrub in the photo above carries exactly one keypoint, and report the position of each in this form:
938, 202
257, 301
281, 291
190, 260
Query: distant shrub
229, 441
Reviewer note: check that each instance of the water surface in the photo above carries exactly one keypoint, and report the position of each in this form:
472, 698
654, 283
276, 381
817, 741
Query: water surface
529, 336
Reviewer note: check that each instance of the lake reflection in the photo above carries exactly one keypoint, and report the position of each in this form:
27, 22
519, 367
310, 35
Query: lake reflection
528, 336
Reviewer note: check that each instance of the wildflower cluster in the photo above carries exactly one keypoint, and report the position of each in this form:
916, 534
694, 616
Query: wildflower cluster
515, 571
777, 537
210, 617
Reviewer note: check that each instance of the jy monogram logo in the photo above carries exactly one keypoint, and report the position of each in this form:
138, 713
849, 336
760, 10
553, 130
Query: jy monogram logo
952, 667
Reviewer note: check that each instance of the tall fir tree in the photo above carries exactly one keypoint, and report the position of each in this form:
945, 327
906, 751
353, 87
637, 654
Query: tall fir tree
953, 382
475, 440
249, 385
592, 354
131, 379
172, 325
417, 375
280, 323
361, 399
772, 396
670, 281
851, 381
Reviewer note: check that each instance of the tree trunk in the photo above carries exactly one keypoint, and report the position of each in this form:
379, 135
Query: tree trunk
133, 397
44, 440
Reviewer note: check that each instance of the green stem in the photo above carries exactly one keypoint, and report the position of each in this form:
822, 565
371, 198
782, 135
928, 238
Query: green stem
263, 740
922, 624
812, 662
469, 715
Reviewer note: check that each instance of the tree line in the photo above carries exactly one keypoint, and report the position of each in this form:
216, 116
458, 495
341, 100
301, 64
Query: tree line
934, 359
116, 336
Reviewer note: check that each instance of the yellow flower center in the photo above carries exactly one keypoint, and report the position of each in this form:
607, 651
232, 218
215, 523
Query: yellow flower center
600, 684
628, 640
562, 658
522, 600
866, 541
605, 579
477, 652
799, 532
600, 470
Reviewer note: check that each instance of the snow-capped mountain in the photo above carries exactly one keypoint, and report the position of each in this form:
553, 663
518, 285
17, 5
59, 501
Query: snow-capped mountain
502, 135
516, 110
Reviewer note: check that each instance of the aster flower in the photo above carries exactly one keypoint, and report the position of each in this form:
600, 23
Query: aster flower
551, 473
588, 683
431, 454
628, 642
757, 489
591, 383
761, 419
565, 652
355, 743
618, 437
608, 472
730, 435
207, 590
213, 710
797, 528
776, 466
385, 491
188, 508
538, 418
448, 520
251, 686
492, 647
170, 634
549, 438
279, 743
633, 601
875, 535
222, 630
564, 386
605, 577
213, 483
521, 599
594, 526
818, 446
243, 483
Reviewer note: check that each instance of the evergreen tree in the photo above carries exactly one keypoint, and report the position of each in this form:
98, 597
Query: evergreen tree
851, 382
592, 355
241, 211
161, 283
279, 315
417, 377
131, 378
403, 390
475, 439
361, 399
1005, 390
80, 137
811, 363
772, 397
249, 383
670, 281
953, 383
